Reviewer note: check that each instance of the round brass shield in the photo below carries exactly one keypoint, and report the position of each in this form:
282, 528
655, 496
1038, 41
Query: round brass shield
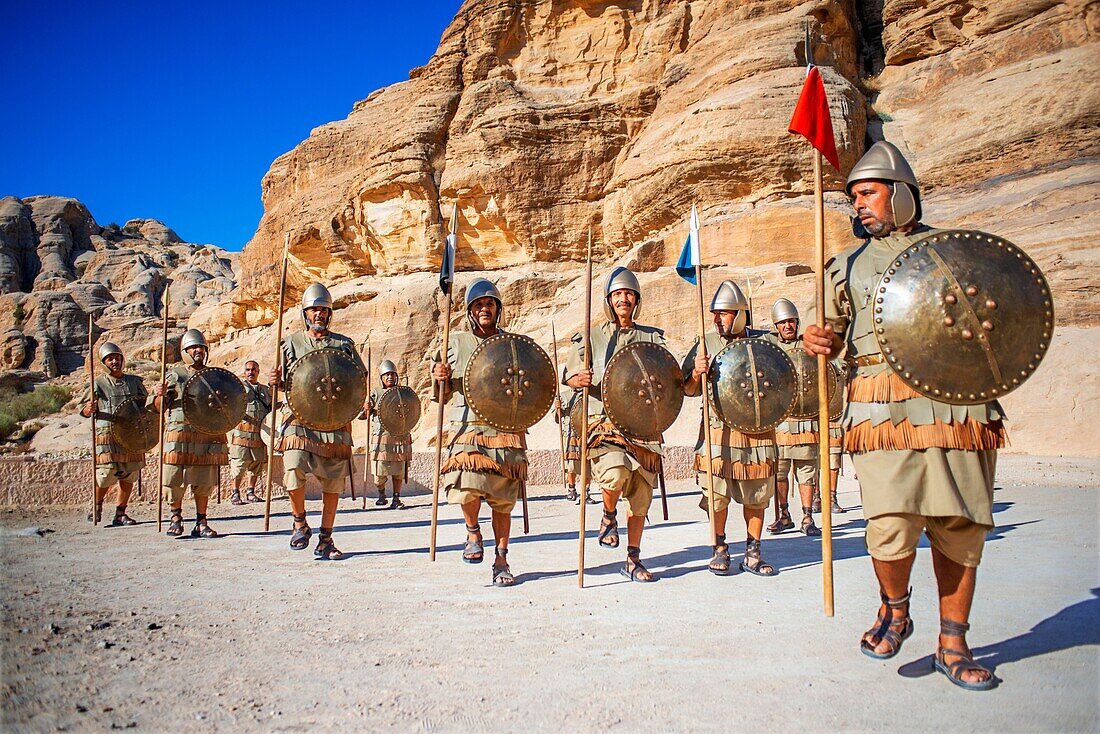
133, 427
963, 317
326, 389
398, 409
509, 382
575, 425
836, 397
642, 390
805, 370
214, 400
752, 385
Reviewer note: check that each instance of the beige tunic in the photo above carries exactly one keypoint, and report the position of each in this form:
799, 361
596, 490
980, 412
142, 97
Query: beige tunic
390, 452
246, 447
797, 437
480, 460
912, 454
195, 455
112, 461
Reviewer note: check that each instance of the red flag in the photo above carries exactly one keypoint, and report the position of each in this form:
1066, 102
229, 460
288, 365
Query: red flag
811, 118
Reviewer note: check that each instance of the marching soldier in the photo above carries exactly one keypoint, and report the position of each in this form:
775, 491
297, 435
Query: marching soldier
563, 417
390, 453
114, 463
743, 463
482, 464
797, 438
326, 454
192, 458
621, 467
247, 452
923, 465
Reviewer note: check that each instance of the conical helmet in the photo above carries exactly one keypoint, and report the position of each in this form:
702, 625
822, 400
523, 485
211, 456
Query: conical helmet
192, 338
483, 288
386, 367
108, 348
621, 279
784, 310
884, 162
316, 295
729, 297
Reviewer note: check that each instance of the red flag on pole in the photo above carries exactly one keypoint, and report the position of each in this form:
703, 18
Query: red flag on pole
811, 117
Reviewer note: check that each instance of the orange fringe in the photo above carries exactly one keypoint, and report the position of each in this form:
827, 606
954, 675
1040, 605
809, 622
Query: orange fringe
179, 458
327, 450
499, 441
185, 436
472, 461
726, 436
885, 387
118, 458
782, 438
967, 436
736, 469
391, 457
248, 443
650, 460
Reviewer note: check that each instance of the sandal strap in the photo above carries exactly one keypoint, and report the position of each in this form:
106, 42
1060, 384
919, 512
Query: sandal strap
896, 603
299, 518
502, 552
475, 528
951, 628
613, 515
634, 552
752, 545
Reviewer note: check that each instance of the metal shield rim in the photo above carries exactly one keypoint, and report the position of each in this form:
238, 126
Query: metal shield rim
471, 400
355, 407
116, 434
750, 343
199, 375
401, 389
608, 406
1020, 373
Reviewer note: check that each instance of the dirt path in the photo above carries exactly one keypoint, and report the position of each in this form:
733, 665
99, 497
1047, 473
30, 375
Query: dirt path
121, 628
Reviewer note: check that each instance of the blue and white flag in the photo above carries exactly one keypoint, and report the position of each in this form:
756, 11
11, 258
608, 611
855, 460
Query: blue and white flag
689, 256
447, 266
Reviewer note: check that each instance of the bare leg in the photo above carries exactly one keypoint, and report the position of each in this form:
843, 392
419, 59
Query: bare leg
956, 588
893, 579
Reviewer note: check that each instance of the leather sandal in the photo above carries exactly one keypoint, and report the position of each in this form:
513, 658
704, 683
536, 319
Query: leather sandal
609, 530
396, 503
202, 529
887, 629
965, 663
235, 498
175, 524
634, 570
752, 553
251, 496
502, 574
808, 527
783, 522
381, 498
815, 502
121, 518
326, 550
474, 551
720, 562
571, 493
300, 539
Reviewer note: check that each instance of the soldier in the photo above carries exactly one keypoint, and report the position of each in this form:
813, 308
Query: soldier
324, 454
797, 438
563, 416
113, 463
621, 467
391, 453
743, 463
931, 471
247, 451
483, 464
192, 458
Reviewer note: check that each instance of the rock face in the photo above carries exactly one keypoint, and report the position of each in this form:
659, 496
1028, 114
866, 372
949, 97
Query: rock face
57, 267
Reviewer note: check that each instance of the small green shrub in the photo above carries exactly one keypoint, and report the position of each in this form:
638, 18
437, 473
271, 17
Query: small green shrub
18, 407
7, 425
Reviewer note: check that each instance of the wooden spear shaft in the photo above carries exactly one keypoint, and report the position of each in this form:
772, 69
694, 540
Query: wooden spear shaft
370, 429
277, 362
563, 416
584, 409
163, 408
823, 397
91, 392
441, 396
709, 461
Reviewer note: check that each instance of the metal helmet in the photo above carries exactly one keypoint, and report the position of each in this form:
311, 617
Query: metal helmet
483, 288
316, 295
884, 162
784, 310
729, 297
192, 338
386, 367
621, 279
108, 348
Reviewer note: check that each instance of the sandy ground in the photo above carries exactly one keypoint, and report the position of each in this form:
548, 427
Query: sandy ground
122, 628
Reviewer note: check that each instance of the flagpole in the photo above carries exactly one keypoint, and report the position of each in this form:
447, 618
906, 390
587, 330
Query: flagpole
441, 396
823, 396
709, 458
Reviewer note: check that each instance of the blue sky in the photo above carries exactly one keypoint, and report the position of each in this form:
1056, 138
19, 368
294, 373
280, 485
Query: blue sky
175, 111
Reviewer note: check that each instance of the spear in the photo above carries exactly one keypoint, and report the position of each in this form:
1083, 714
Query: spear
277, 362
584, 407
91, 391
562, 416
160, 418
370, 430
446, 280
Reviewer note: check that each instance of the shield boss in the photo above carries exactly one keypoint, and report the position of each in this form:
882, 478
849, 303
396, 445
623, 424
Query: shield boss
398, 409
214, 400
805, 370
752, 385
326, 389
133, 427
642, 390
509, 382
963, 317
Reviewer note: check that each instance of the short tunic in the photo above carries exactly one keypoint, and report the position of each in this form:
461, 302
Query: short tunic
390, 452
112, 461
481, 462
247, 450
608, 448
913, 454
797, 437
739, 460
191, 457
324, 454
